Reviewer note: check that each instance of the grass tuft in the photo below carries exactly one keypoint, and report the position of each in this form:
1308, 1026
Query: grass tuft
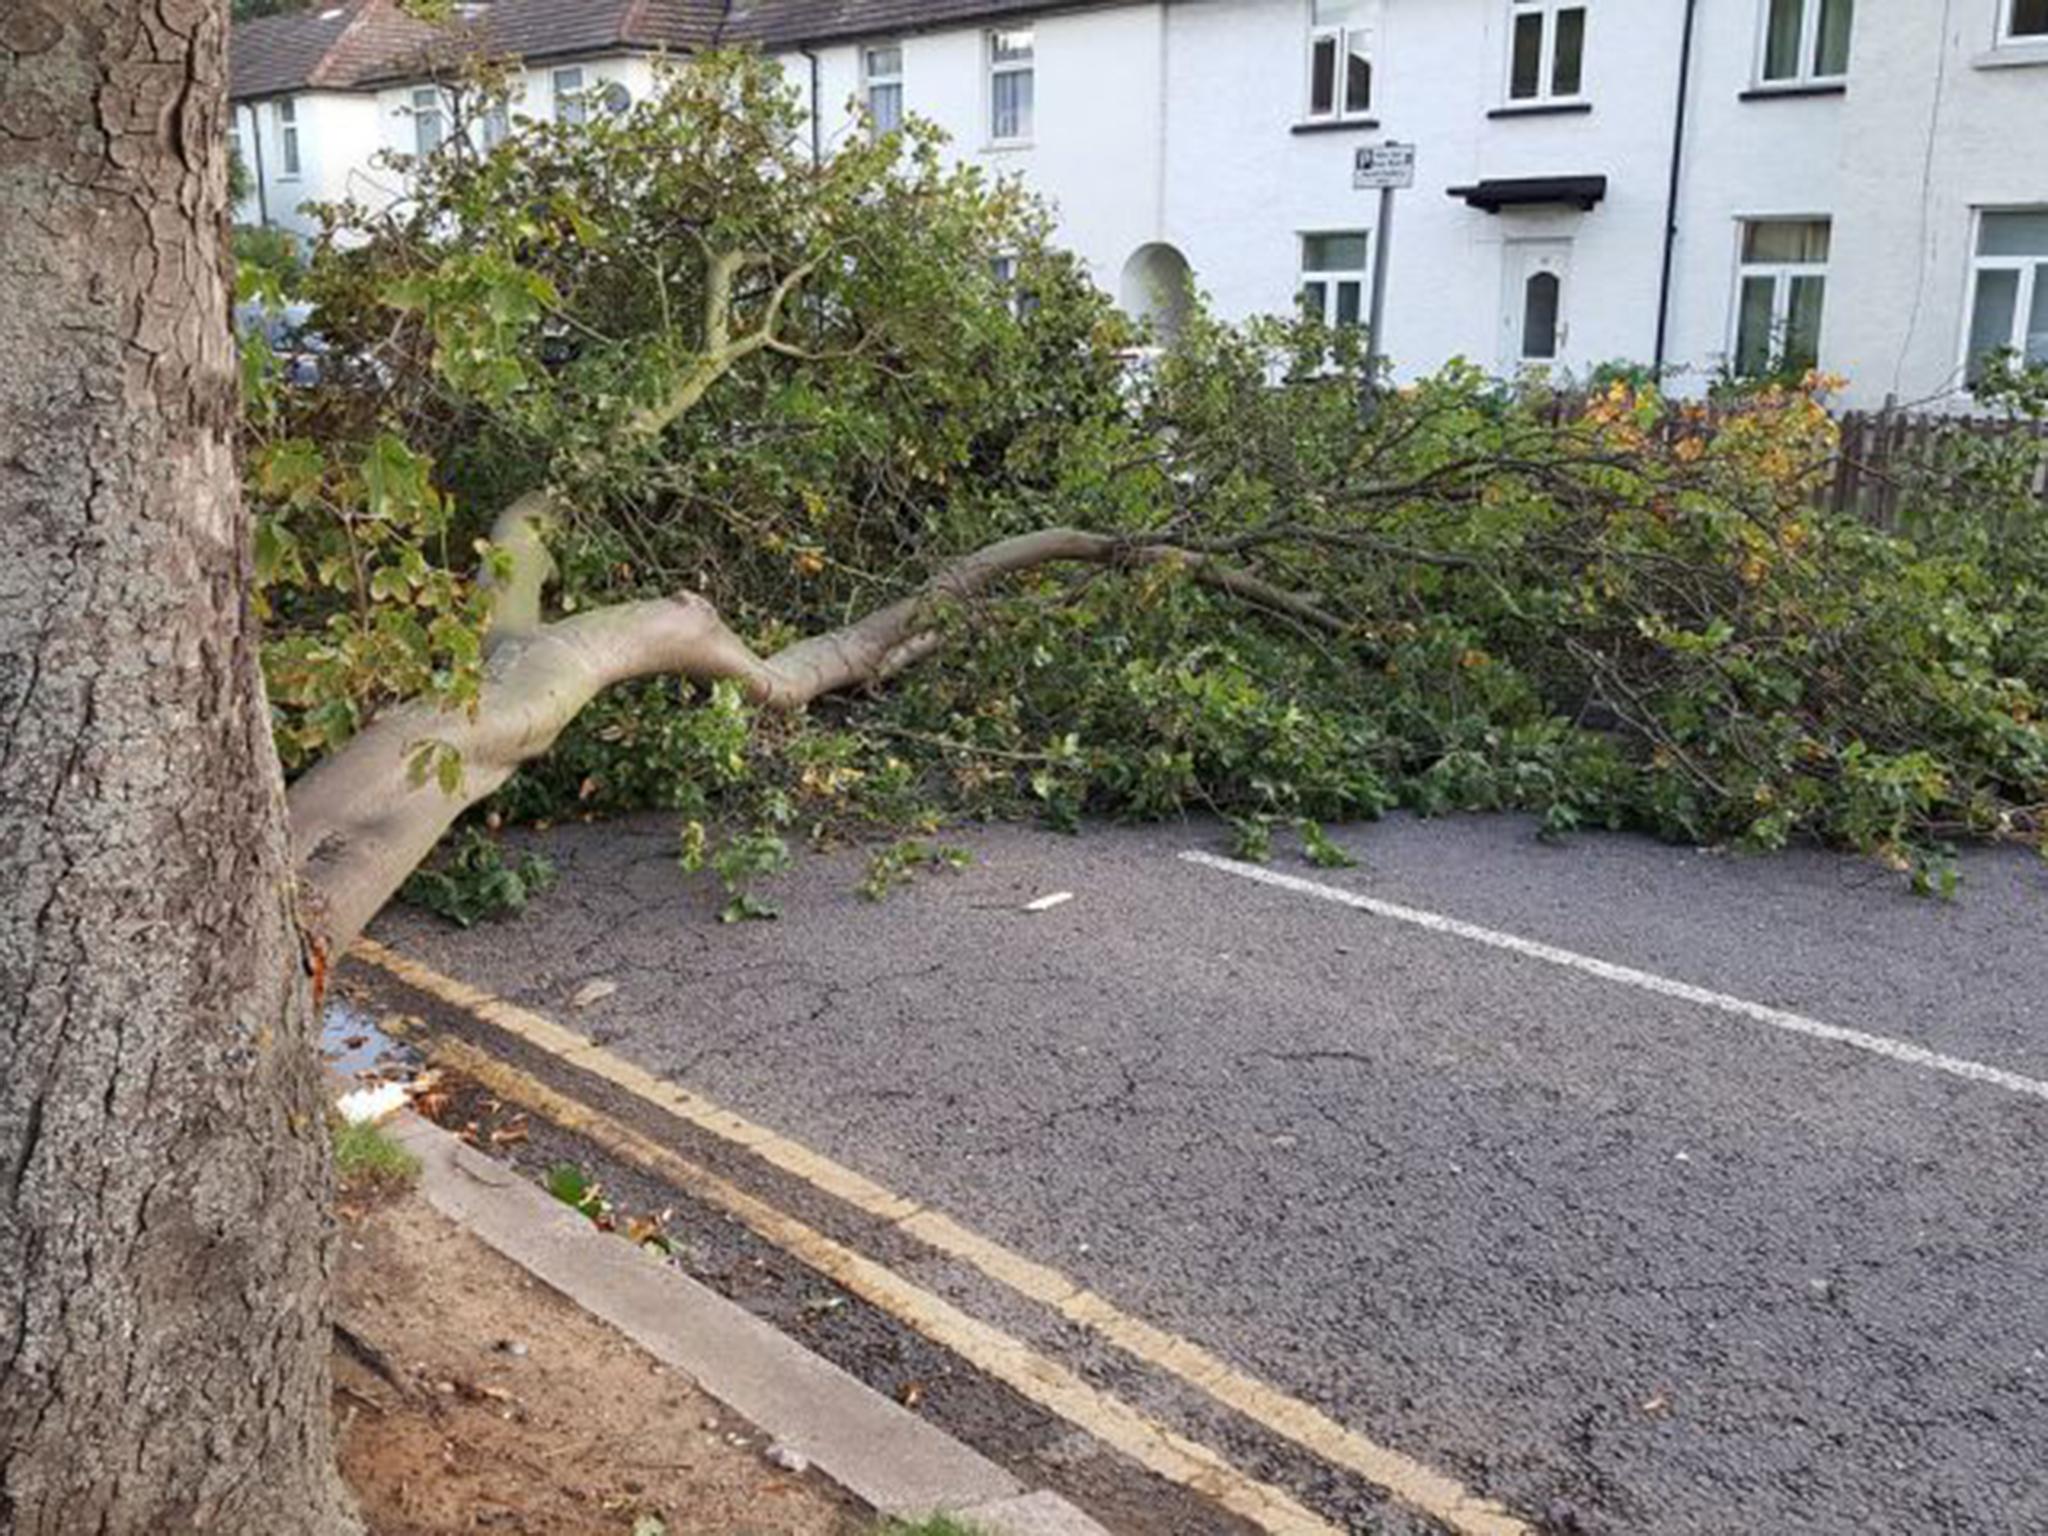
938, 1525
367, 1159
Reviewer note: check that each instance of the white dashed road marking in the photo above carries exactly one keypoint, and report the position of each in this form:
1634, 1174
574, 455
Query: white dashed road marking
1902, 1051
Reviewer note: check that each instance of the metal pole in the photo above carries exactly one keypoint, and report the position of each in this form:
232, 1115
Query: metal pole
1382, 239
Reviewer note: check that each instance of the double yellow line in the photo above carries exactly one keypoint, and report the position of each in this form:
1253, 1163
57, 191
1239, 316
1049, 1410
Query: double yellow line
1032, 1375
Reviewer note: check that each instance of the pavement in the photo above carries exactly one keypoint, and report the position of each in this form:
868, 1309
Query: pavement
818, 1415
1640, 1189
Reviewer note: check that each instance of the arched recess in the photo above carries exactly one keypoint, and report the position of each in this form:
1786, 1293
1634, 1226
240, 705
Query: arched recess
1158, 287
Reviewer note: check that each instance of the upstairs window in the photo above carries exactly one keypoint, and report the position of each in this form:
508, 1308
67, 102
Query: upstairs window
1781, 291
429, 127
570, 107
1011, 86
2009, 302
1334, 277
1546, 50
288, 136
1807, 40
1340, 50
882, 83
2026, 20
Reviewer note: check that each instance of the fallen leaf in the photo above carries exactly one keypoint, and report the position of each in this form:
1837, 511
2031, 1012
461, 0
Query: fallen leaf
910, 1394
593, 992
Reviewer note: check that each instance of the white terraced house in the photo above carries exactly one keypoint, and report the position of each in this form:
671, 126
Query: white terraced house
1705, 184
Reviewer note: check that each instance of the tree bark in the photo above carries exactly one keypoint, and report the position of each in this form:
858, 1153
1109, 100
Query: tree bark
163, 1162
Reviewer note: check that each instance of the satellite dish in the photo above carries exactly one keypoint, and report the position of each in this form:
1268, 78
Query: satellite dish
614, 98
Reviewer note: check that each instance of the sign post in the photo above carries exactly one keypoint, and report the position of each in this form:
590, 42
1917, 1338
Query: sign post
1388, 167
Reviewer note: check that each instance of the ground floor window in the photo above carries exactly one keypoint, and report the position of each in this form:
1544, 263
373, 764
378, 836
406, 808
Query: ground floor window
570, 107
2027, 19
429, 127
1781, 293
2009, 299
1333, 277
882, 70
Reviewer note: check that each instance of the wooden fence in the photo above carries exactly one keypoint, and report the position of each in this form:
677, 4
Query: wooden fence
1888, 459
1887, 455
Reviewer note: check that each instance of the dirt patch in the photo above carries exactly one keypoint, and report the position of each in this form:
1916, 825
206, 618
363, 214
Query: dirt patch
472, 1398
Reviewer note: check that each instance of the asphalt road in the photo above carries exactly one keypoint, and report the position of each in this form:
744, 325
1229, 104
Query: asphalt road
1631, 1261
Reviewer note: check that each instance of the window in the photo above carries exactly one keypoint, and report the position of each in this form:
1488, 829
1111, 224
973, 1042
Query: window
1542, 316
1333, 277
1546, 51
497, 123
570, 107
1019, 300
1807, 40
288, 136
2026, 19
2009, 302
882, 74
428, 126
1340, 47
1780, 292
1010, 85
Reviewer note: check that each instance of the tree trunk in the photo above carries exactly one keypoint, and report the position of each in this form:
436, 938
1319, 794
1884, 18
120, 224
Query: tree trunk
163, 1166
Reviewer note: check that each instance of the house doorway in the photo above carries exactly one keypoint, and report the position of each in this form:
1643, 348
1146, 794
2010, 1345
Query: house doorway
1158, 288
1535, 320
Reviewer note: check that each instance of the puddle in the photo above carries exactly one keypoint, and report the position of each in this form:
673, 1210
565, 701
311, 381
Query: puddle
355, 1048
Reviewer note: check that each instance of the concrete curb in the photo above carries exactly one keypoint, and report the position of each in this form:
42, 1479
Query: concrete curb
877, 1450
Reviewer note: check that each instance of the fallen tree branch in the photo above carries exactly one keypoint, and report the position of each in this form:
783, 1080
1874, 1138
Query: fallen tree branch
364, 818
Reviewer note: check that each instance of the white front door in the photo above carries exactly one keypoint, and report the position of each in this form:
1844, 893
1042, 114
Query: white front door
1535, 311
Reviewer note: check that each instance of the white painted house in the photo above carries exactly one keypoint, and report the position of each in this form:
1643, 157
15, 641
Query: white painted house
1702, 183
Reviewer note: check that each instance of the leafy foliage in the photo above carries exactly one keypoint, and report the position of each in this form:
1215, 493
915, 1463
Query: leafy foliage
475, 880
899, 863
1620, 611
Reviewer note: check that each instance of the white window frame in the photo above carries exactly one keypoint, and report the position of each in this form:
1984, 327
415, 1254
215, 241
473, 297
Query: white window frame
569, 103
2009, 33
872, 79
1546, 65
994, 68
1781, 275
428, 106
1343, 39
1808, 71
2027, 267
1332, 279
494, 124
290, 160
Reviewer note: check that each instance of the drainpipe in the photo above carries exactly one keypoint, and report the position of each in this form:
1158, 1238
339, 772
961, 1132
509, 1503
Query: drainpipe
817, 141
256, 170
1671, 202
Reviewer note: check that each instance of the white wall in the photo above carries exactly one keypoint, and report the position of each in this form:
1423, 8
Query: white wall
1932, 126
1212, 165
532, 100
1939, 126
1748, 155
1095, 150
1175, 122
337, 134
343, 138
